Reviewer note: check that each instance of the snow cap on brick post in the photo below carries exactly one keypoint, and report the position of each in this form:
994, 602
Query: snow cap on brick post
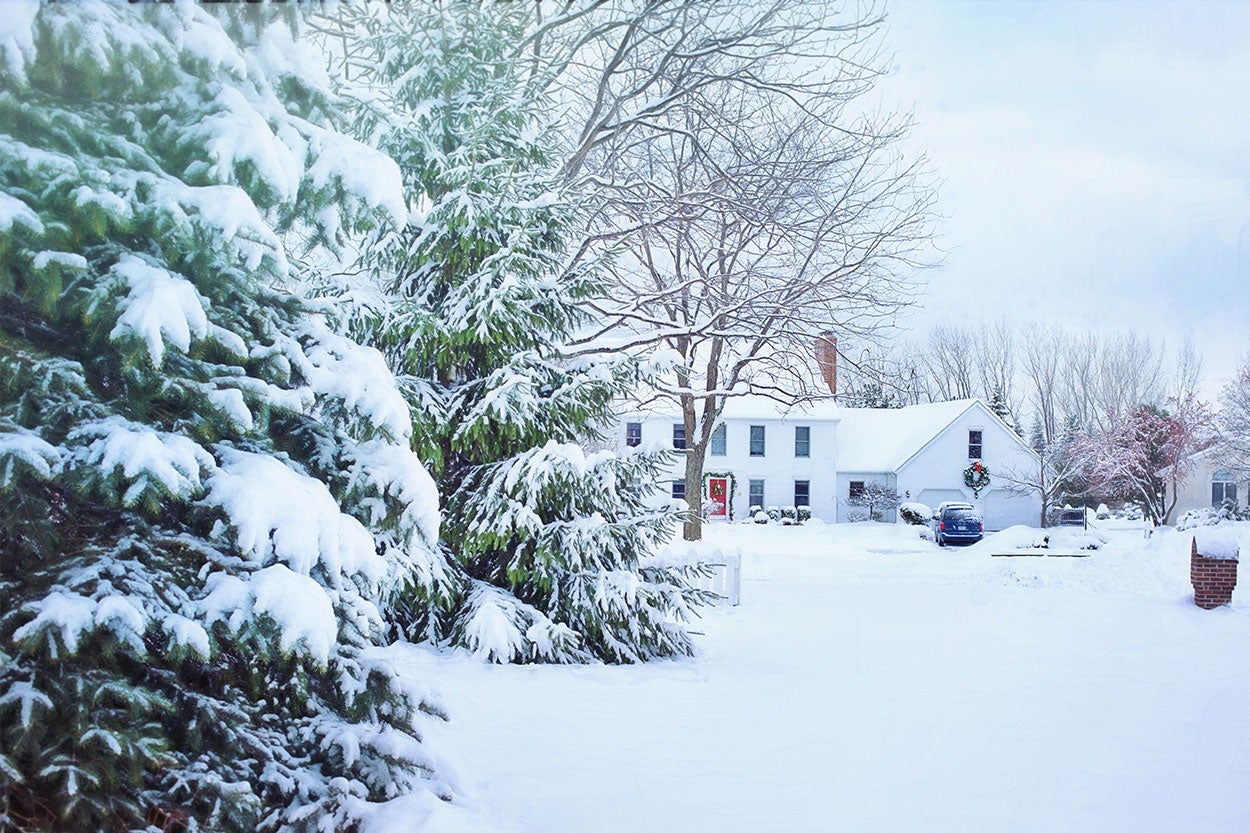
1213, 567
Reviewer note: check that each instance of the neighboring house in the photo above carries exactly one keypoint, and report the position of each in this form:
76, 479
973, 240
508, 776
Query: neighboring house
1209, 482
820, 455
921, 451
761, 454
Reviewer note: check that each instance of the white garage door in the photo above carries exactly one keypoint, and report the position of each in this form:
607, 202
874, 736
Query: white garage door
932, 497
1002, 509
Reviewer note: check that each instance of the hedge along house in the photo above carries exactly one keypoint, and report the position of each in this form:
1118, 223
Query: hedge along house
761, 454
923, 453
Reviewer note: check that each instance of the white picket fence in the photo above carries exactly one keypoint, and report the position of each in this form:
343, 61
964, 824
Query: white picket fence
725, 566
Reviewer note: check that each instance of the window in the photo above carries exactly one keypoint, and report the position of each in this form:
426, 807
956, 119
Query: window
802, 493
718, 442
974, 445
857, 489
679, 490
757, 440
679, 435
802, 441
1223, 487
756, 492
633, 433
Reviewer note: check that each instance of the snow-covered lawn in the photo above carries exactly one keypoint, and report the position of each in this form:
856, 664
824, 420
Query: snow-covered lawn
871, 681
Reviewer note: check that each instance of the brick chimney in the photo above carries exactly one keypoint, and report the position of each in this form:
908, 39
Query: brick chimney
827, 359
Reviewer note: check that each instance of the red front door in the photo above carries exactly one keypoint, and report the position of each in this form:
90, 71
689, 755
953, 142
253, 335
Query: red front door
717, 497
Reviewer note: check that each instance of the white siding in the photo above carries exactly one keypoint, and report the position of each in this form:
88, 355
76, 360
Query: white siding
881, 478
778, 468
940, 466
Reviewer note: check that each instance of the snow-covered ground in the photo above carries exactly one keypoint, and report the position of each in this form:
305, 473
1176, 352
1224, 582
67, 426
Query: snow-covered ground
871, 681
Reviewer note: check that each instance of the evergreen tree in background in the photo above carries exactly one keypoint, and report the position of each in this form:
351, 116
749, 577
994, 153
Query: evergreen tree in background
207, 493
998, 404
477, 301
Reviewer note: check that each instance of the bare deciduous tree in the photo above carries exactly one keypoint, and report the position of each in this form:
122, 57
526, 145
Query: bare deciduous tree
952, 358
1234, 417
1040, 357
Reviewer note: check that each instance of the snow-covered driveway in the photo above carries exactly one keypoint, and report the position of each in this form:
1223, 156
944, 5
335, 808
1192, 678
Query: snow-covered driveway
872, 682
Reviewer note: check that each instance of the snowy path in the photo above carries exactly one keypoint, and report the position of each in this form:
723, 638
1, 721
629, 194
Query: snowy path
887, 691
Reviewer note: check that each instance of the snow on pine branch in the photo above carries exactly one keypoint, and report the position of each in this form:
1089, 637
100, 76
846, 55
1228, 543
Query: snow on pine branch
144, 458
17, 37
297, 604
276, 512
397, 472
29, 450
497, 627
160, 306
356, 375
14, 211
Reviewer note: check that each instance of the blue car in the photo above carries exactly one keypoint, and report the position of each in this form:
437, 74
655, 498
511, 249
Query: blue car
957, 523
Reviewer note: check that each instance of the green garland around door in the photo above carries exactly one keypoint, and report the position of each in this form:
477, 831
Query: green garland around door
733, 488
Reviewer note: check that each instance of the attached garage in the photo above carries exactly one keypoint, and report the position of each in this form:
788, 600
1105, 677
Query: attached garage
932, 497
1002, 508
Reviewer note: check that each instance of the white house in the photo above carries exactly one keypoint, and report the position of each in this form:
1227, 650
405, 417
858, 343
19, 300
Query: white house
760, 454
922, 451
821, 455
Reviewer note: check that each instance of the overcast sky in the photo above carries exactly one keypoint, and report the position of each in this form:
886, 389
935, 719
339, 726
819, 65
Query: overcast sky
1094, 159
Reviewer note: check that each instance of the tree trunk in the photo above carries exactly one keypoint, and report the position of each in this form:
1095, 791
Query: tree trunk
693, 529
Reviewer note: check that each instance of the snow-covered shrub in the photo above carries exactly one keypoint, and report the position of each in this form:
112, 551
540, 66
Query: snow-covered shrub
208, 495
1228, 511
477, 305
759, 516
1102, 513
789, 515
804, 514
774, 513
856, 517
916, 514
1133, 512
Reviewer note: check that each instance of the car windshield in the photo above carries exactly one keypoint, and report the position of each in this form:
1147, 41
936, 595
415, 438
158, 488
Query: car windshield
961, 515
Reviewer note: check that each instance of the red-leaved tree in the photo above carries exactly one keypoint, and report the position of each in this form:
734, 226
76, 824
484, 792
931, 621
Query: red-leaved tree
1146, 454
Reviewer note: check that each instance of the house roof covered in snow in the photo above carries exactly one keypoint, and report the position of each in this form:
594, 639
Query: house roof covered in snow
883, 439
753, 406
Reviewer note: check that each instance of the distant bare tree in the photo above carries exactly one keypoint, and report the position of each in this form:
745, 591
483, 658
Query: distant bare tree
1041, 363
996, 362
952, 360
1130, 373
1077, 380
1234, 417
1188, 372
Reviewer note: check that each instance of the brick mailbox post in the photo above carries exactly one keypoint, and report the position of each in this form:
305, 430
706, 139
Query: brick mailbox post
1213, 570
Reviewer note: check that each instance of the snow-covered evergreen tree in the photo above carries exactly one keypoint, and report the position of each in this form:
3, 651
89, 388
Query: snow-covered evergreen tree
208, 495
998, 404
478, 300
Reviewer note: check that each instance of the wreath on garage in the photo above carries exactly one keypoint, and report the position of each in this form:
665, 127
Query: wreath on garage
976, 477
